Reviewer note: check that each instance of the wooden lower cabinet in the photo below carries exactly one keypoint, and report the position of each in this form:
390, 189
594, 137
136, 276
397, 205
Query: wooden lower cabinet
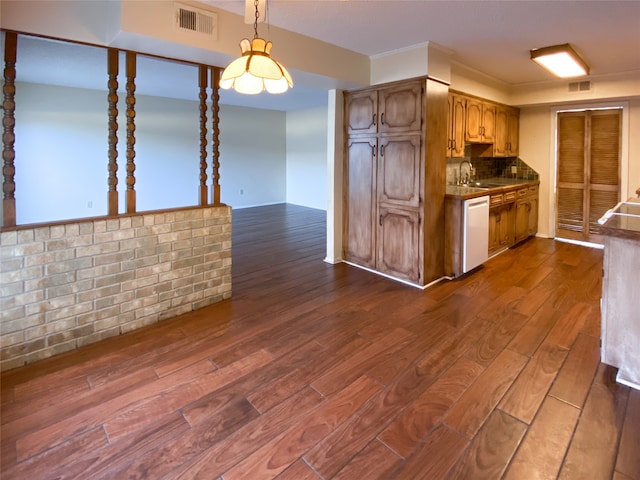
399, 243
513, 217
501, 227
526, 223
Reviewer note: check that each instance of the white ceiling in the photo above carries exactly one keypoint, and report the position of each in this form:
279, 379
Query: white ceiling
492, 37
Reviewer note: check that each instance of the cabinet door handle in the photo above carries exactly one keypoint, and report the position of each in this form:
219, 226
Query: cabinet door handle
373, 150
453, 147
375, 117
382, 150
380, 220
382, 119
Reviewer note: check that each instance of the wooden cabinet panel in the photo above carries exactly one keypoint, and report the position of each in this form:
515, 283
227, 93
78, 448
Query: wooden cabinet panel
480, 121
394, 109
526, 213
361, 112
399, 243
501, 227
523, 211
513, 132
506, 230
488, 123
500, 146
473, 124
455, 140
399, 170
360, 182
494, 230
507, 128
400, 108
533, 215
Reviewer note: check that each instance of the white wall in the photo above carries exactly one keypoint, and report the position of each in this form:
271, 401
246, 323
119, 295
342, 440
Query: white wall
167, 154
61, 154
252, 156
537, 144
307, 157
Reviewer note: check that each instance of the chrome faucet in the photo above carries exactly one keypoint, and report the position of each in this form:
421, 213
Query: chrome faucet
467, 178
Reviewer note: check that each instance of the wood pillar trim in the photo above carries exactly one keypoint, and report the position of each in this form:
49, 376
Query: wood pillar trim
8, 133
131, 129
215, 107
203, 78
112, 96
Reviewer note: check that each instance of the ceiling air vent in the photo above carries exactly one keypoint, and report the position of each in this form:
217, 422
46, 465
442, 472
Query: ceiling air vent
191, 19
580, 86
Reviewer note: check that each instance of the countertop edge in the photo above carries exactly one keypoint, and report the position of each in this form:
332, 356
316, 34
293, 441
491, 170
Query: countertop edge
490, 191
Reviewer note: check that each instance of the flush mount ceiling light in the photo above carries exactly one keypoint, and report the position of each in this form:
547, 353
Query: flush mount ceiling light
255, 71
561, 60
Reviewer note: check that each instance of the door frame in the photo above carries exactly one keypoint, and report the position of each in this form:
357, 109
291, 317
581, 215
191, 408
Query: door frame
553, 154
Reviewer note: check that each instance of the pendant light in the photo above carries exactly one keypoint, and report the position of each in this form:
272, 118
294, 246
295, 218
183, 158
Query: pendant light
255, 71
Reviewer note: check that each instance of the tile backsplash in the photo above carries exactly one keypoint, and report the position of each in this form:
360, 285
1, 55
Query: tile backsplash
495, 167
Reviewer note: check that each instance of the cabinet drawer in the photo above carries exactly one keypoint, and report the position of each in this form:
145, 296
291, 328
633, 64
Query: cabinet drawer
533, 190
509, 196
495, 200
523, 192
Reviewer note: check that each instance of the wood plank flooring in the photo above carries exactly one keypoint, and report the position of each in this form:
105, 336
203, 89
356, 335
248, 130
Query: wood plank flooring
317, 371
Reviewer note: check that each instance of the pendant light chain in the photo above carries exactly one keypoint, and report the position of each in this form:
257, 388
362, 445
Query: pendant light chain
257, 15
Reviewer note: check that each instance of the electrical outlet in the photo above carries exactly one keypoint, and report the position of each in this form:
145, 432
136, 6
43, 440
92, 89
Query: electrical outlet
514, 169
241, 191
89, 204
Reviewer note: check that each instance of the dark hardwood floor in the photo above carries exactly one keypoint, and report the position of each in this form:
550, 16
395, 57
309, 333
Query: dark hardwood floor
318, 371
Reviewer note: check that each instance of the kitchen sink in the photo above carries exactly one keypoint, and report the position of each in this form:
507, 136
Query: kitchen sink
484, 185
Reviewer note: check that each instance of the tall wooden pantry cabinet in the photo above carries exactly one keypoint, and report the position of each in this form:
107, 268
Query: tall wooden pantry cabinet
395, 175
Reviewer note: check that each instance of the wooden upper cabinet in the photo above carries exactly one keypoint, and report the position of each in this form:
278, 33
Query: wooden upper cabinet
500, 146
399, 163
394, 109
400, 108
506, 132
362, 112
513, 131
480, 121
455, 126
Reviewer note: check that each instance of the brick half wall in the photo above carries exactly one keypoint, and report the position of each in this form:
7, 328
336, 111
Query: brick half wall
63, 286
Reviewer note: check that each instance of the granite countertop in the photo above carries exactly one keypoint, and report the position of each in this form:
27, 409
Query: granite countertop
486, 187
623, 220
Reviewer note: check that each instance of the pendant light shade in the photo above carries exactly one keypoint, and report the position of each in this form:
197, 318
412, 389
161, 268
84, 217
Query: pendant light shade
255, 71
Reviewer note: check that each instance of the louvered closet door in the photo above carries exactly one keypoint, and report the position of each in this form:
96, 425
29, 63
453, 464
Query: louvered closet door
588, 173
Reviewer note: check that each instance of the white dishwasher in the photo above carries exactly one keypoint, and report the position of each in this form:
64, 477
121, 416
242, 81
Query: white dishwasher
475, 237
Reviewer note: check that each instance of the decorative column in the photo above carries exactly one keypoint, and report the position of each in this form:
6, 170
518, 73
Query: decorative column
215, 106
8, 133
112, 85
131, 129
203, 195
